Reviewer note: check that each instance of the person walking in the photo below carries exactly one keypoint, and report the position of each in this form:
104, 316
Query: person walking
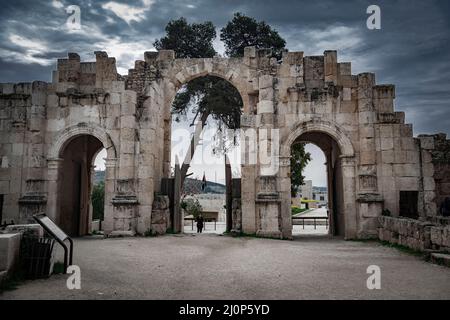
200, 223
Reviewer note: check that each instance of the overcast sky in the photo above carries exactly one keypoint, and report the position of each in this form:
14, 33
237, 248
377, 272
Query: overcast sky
412, 50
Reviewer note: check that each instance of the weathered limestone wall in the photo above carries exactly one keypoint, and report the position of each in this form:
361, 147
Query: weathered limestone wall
371, 153
415, 234
440, 157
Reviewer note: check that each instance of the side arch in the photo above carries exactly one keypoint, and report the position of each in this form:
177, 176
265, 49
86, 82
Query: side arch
345, 145
340, 172
80, 129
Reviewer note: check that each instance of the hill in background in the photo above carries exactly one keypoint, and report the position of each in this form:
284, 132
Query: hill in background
191, 186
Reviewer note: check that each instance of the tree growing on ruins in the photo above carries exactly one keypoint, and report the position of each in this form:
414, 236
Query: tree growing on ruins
243, 31
212, 95
98, 201
299, 160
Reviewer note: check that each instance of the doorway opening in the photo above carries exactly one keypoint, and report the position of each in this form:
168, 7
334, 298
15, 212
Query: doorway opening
317, 207
98, 192
77, 182
205, 119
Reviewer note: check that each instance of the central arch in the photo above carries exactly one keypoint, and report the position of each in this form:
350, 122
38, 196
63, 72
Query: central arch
181, 78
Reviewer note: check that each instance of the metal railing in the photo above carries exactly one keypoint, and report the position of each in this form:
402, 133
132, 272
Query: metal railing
204, 222
314, 219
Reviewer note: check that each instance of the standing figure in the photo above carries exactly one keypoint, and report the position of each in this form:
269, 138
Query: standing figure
200, 223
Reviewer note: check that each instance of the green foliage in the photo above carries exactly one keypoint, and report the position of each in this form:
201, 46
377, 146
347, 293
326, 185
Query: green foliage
188, 40
297, 210
244, 31
149, 233
299, 159
98, 201
192, 207
208, 95
211, 96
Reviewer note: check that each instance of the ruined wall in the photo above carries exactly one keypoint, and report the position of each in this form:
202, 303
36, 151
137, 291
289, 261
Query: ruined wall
440, 156
374, 155
415, 234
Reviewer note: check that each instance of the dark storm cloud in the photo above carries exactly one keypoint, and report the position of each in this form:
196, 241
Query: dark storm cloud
411, 50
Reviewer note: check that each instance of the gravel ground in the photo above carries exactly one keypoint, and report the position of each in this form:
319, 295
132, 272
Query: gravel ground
219, 267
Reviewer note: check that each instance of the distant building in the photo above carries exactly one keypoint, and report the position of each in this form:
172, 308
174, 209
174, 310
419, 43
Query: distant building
308, 192
320, 194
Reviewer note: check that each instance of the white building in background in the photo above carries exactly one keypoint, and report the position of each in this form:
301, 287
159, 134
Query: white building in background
320, 194
213, 203
306, 191
309, 192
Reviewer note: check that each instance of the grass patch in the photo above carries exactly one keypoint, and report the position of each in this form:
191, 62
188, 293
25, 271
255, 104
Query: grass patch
150, 233
402, 248
170, 231
297, 210
387, 244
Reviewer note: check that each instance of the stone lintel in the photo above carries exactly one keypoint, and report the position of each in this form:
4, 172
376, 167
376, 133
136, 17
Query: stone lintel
122, 200
369, 197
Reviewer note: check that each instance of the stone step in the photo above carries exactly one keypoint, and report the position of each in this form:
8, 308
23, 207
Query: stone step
441, 258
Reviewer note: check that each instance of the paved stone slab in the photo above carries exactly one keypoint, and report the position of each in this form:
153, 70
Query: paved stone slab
219, 267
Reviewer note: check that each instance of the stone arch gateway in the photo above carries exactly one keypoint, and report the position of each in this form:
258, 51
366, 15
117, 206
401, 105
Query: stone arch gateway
299, 97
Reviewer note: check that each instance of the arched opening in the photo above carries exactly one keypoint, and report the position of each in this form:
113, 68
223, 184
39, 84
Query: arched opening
76, 182
207, 142
327, 201
309, 201
98, 191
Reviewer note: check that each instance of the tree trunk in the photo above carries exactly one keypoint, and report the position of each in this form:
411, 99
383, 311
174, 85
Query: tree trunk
193, 145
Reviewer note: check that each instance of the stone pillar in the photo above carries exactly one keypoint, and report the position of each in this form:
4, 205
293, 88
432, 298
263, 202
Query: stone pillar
32, 196
367, 115
284, 187
54, 167
349, 190
125, 200
370, 202
427, 194
110, 188
248, 173
268, 202
330, 67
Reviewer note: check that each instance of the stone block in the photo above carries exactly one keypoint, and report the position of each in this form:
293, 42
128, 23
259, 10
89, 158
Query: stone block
28, 229
9, 251
345, 68
266, 94
265, 106
426, 143
386, 143
265, 81
407, 170
436, 236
